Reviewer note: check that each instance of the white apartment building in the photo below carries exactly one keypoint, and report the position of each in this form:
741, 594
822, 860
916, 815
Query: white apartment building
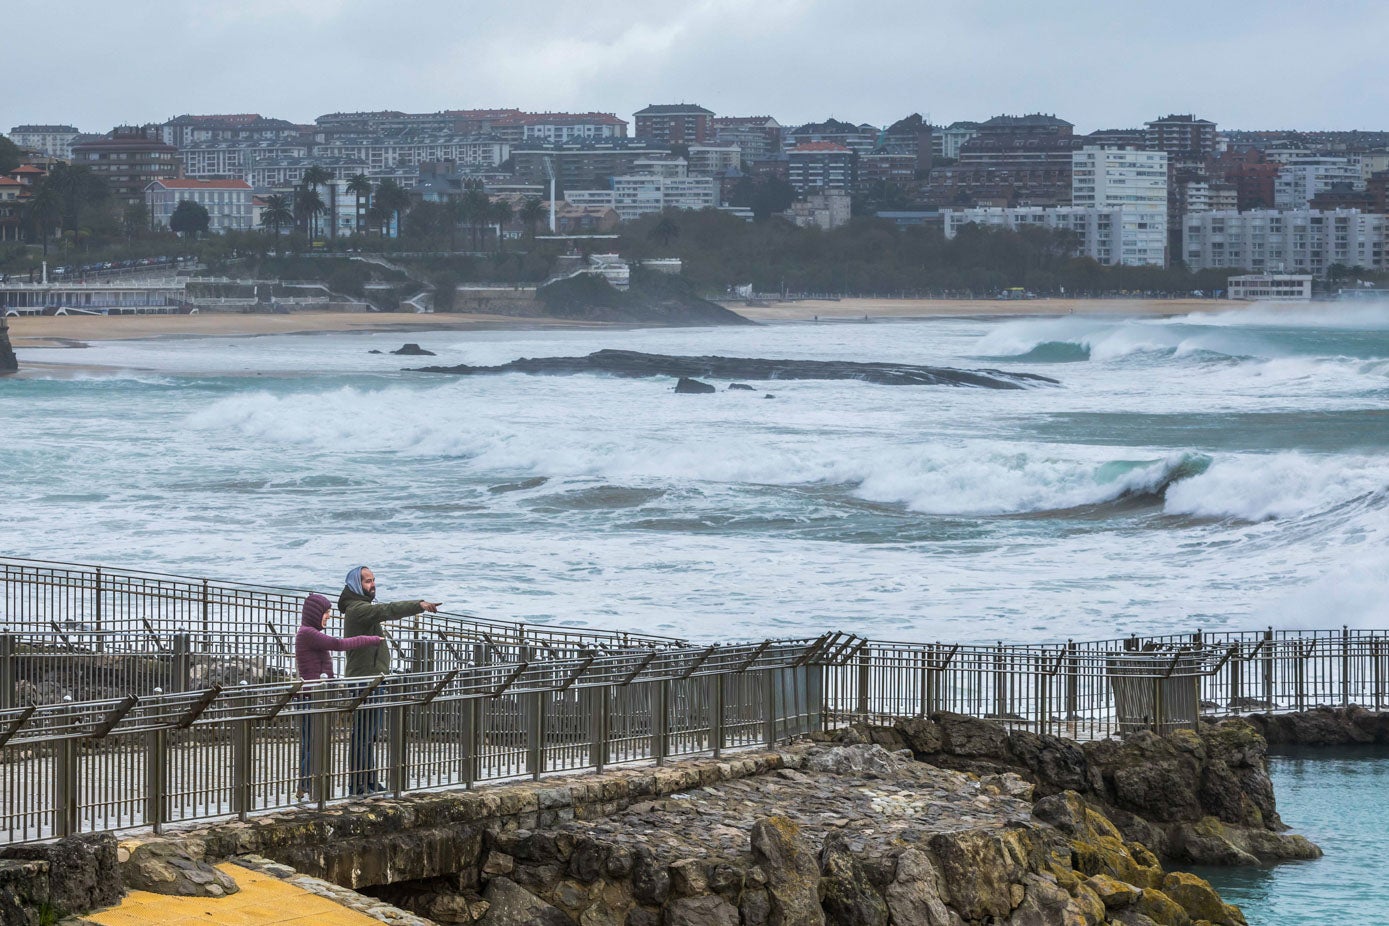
563, 127
1134, 182
1202, 196
1301, 178
380, 153
712, 160
234, 158
52, 140
589, 198
1298, 241
640, 194
1109, 236
947, 139
228, 202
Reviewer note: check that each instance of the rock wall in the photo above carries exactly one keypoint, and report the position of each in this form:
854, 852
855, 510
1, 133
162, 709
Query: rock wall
1323, 726
1192, 798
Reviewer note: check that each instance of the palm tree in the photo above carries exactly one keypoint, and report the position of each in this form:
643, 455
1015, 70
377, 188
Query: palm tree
360, 187
43, 210
277, 213
393, 199
315, 177
308, 206
499, 213
665, 230
532, 212
477, 205
459, 212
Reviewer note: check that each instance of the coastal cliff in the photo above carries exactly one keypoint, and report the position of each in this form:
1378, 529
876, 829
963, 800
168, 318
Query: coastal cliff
1191, 798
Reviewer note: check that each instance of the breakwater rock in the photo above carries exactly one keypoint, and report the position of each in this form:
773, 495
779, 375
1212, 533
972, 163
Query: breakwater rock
1323, 726
636, 364
1191, 798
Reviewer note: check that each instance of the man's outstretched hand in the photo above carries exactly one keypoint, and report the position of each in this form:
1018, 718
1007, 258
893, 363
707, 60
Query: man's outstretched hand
431, 606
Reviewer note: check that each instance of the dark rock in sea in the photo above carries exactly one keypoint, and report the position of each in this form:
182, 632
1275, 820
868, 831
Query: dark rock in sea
8, 363
634, 363
744, 386
769, 396
414, 350
373, 352
688, 386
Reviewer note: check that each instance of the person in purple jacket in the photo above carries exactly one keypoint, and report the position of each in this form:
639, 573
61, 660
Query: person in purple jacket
312, 654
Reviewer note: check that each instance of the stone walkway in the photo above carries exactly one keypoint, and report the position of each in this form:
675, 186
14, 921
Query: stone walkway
264, 900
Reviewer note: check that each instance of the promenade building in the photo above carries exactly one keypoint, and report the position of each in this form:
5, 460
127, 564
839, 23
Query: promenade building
228, 202
129, 159
1291, 241
819, 166
52, 140
675, 123
1107, 235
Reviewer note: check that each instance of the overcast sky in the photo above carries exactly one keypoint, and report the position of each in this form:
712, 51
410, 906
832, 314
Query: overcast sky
1096, 63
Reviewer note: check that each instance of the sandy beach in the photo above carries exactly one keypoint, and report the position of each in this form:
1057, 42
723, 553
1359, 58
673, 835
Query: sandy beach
75, 330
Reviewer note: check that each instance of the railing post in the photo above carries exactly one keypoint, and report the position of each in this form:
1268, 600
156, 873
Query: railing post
65, 755
157, 779
716, 715
1000, 687
471, 737
243, 761
1157, 706
1237, 677
1377, 671
1300, 677
320, 749
1345, 665
597, 726
660, 721
207, 617
1039, 688
1268, 669
96, 603
396, 719
865, 668
1072, 681
182, 663
769, 706
933, 679
533, 708
7, 671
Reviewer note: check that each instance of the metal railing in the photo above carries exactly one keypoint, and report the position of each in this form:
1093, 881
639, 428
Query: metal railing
132, 699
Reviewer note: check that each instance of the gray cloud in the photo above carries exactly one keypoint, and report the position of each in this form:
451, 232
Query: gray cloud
1099, 64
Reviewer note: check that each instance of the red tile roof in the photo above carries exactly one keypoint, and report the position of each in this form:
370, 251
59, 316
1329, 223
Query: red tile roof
28, 169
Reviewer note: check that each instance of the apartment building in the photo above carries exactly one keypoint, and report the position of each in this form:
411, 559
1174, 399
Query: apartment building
52, 140
946, 140
583, 165
228, 202
1111, 235
675, 123
185, 131
561, 127
1291, 241
756, 136
1301, 177
410, 149
234, 158
129, 159
714, 159
1184, 137
818, 166
640, 194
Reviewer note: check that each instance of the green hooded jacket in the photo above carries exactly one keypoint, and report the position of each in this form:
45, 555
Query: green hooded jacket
360, 616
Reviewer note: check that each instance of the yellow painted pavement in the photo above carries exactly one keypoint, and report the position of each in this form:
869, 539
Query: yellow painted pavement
262, 901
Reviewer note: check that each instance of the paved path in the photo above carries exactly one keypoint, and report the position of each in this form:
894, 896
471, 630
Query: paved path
262, 901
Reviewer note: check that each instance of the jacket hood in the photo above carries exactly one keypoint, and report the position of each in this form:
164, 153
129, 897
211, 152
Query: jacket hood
349, 597
315, 606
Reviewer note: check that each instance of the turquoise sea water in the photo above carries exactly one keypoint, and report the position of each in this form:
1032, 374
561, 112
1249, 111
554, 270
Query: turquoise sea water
1338, 798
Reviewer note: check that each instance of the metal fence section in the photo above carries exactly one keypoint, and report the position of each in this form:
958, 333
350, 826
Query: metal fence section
132, 700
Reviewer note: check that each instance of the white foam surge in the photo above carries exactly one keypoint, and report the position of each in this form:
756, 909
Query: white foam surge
1252, 487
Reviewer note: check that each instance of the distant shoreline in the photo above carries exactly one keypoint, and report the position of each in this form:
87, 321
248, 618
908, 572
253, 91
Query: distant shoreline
74, 331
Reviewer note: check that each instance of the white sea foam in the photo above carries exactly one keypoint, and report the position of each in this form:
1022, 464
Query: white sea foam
1253, 487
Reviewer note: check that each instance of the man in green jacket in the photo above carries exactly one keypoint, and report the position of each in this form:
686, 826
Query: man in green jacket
361, 617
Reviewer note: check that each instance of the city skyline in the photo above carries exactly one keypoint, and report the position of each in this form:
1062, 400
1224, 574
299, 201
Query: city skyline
1242, 65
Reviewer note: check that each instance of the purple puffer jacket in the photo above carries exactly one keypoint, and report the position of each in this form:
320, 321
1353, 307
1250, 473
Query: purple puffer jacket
312, 645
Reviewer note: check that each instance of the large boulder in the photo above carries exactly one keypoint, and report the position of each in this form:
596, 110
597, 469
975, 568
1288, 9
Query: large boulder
175, 867
914, 896
509, 904
82, 872
793, 874
848, 896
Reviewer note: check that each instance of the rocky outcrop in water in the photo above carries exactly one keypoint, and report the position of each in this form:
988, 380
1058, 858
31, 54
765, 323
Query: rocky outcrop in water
637, 364
1324, 726
8, 362
413, 350
1192, 799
